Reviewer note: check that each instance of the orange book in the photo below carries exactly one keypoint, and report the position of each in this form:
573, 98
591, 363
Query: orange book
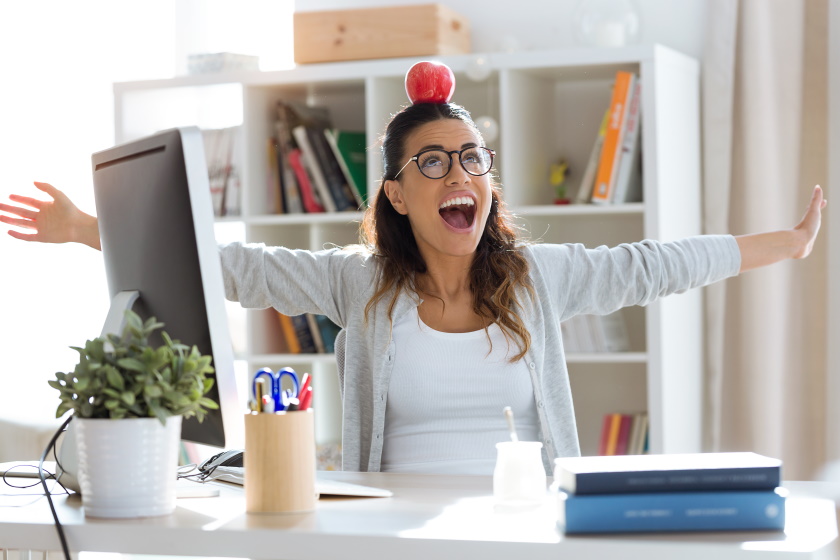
615, 428
611, 150
623, 434
289, 333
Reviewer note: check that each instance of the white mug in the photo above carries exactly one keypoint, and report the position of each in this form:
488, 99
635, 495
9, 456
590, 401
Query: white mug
519, 476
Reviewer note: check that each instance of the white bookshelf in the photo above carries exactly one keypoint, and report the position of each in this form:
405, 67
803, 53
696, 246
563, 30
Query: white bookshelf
548, 104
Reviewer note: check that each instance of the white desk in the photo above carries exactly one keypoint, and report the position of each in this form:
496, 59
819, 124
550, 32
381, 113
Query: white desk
428, 517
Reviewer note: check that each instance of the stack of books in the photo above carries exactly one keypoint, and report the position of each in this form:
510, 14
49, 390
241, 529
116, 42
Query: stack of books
678, 492
312, 166
613, 172
306, 334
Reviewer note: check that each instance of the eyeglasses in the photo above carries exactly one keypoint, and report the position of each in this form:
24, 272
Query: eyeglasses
436, 164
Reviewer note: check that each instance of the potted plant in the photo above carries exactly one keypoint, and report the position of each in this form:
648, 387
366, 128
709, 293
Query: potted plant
128, 398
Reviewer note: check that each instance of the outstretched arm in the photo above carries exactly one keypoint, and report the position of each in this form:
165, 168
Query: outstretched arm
53, 221
762, 249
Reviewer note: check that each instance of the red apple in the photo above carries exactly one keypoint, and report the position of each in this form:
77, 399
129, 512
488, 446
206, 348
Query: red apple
429, 82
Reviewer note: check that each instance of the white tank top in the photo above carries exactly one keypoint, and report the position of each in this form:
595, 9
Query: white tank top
446, 396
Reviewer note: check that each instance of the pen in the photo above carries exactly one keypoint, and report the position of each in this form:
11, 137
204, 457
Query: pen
306, 399
304, 383
267, 404
259, 393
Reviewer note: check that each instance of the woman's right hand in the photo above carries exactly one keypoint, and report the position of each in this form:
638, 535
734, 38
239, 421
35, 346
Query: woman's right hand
53, 221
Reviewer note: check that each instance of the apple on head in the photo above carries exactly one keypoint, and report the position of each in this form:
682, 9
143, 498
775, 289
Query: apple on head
429, 82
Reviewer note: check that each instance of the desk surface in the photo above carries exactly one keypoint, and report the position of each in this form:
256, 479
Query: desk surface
428, 517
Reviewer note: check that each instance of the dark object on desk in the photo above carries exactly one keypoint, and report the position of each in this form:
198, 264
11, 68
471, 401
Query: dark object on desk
229, 458
685, 472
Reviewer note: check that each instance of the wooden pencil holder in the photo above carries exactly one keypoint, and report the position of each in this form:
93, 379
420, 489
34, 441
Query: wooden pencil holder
280, 462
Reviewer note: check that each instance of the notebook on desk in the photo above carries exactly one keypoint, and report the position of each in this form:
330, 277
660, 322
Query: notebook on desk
324, 486
231, 475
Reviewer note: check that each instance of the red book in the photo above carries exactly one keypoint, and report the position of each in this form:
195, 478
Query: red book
623, 434
309, 203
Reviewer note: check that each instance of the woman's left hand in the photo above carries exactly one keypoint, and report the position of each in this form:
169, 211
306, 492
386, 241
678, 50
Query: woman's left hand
809, 226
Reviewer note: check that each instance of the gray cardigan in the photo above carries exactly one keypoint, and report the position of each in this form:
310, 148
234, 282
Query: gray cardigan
568, 279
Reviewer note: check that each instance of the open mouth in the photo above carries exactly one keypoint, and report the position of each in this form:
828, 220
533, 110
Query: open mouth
458, 212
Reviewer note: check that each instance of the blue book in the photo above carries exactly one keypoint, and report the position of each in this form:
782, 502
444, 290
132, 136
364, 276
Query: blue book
672, 511
683, 472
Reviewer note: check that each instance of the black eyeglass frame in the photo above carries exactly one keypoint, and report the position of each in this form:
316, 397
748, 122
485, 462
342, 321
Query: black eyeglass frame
416, 159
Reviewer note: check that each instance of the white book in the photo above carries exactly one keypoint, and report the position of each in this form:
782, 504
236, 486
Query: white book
584, 193
233, 188
614, 330
628, 180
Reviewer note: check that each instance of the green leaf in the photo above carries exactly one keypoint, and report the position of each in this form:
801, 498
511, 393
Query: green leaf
208, 403
63, 407
82, 384
153, 391
160, 413
112, 404
114, 378
128, 398
131, 364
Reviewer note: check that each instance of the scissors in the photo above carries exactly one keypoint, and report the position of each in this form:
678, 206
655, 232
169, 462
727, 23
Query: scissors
282, 399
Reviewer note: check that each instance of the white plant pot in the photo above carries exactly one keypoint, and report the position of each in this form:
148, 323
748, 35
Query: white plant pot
127, 467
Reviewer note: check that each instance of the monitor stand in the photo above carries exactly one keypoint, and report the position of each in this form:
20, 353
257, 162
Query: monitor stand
115, 320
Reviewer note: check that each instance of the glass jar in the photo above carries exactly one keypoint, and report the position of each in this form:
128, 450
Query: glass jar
519, 476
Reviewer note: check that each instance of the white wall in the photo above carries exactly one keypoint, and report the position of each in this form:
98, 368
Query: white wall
547, 24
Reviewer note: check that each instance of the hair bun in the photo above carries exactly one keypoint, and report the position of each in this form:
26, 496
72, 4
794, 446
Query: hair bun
429, 82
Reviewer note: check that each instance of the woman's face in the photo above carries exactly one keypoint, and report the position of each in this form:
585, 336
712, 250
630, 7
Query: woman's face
447, 215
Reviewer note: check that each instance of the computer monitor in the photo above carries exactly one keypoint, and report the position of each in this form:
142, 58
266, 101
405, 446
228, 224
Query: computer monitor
161, 258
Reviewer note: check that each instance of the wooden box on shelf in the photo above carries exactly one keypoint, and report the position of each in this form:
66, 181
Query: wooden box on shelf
384, 32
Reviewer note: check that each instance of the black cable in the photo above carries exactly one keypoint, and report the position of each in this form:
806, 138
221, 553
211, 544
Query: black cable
58, 527
9, 475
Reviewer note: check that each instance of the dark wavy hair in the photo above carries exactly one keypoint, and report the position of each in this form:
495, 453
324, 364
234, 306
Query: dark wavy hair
498, 268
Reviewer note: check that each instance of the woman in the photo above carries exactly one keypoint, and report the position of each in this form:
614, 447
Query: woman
448, 317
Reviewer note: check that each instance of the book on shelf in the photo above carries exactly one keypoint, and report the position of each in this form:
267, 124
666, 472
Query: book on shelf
307, 192
628, 182
623, 434
612, 435
679, 472
584, 193
624, 427
350, 151
319, 181
595, 333
329, 331
306, 334
275, 188
288, 181
316, 333
334, 177
610, 157
738, 510
223, 169
289, 339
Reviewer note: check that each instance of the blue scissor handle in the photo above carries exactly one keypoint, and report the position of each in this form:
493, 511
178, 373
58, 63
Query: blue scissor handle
276, 385
295, 381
